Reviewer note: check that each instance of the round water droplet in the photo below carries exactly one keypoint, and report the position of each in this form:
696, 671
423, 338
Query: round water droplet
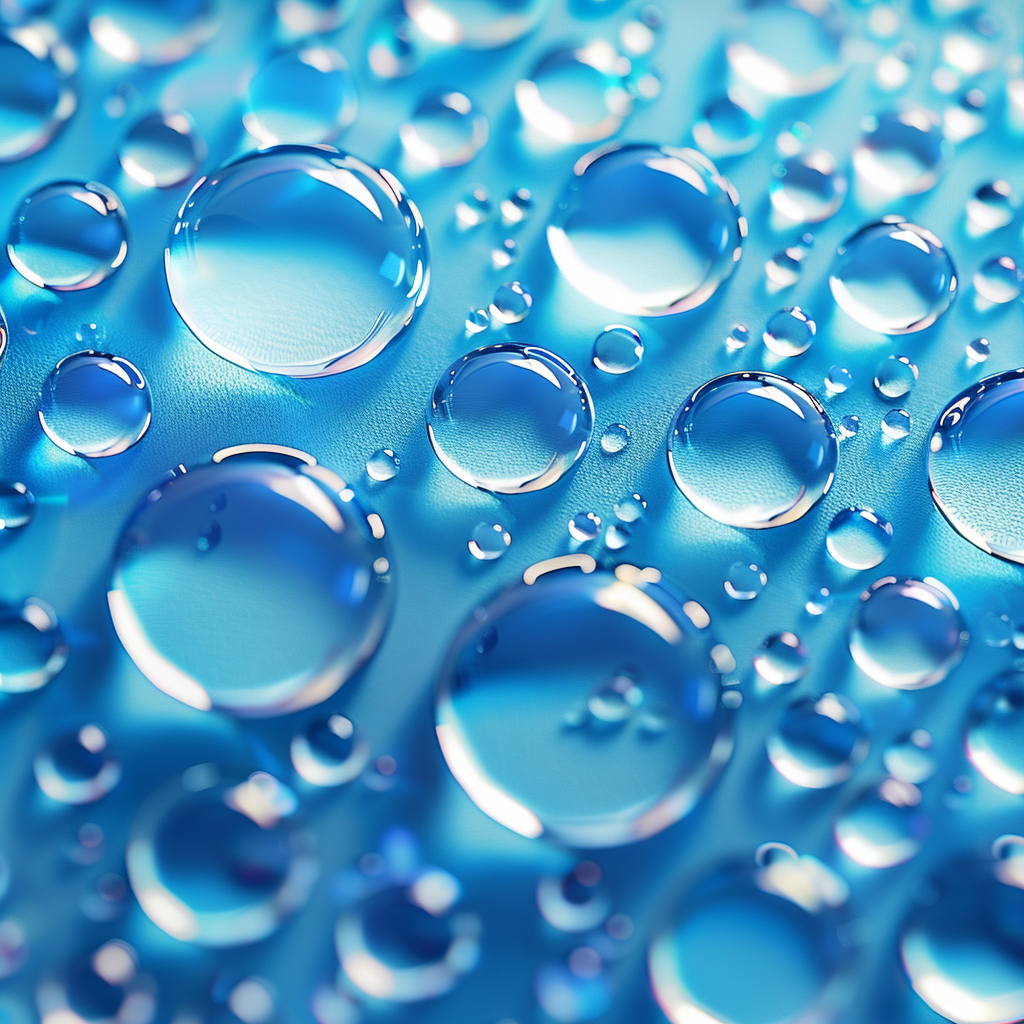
992, 206
220, 864
738, 337
32, 646
895, 377
848, 426
77, 767
510, 418
95, 405
788, 47
838, 380
780, 921
999, 280
577, 989
516, 207
409, 943
477, 321
618, 349
884, 826
727, 129
807, 188
254, 583
630, 508
153, 32
445, 130
789, 332
819, 601
615, 438
476, 24
902, 153
489, 541
907, 633
994, 732
473, 208
745, 581
329, 751
818, 742
576, 902
608, 682
896, 424
893, 277
782, 658
996, 629
35, 99
978, 350
162, 150
752, 450
383, 465
859, 537
504, 254
309, 261
584, 526
974, 459
616, 537
511, 303
647, 230
68, 235
909, 758
785, 268
17, 507
314, 17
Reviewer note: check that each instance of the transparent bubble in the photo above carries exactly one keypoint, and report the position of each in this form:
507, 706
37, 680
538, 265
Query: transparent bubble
36, 101
630, 508
738, 337
405, 944
848, 426
999, 280
902, 153
727, 129
647, 230
785, 268
383, 465
510, 418
781, 921
907, 634
970, 46
838, 380
17, 507
220, 862
516, 207
32, 646
309, 262
789, 332
254, 583
994, 732
909, 757
329, 751
978, 350
745, 581
577, 901
752, 450
162, 150
504, 254
808, 188
896, 424
576, 95
996, 629
445, 130
615, 438
962, 952
818, 741
511, 303
788, 48
819, 602
618, 349
304, 96
607, 680
883, 826
95, 405
477, 321
577, 989
781, 659
584, 526
314, 17
77, 767
974, 459
859, 537
616, 537
252, 1001
992, 206
893, 277
153, 32
68, 235
489, 541
474, 208
476, 24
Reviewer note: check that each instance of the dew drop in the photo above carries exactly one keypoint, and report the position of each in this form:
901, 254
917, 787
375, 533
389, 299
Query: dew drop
17, 507
782, 658
511, 303
615, 438
838, 380
517, 207
859, 537
991, 206
617, 537
789, 332
978, 350
994, 732
884, 826
584, 526
77, 767
618, 350
909, 757
848, 426
727, 129
330, 751
738, 337
896, 424
105, 985
383, 465
474, 208
630, 508
577, 901
153, 32
999, 280
807, 188
477, 321
476, 24
895, 377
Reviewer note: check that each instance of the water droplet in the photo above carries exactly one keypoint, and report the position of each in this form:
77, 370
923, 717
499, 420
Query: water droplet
970, 46
383, 465
35, 99
785, 268
895, 377
994, 732
838, 380
516, 207
617, 781
819, 602
848, 426
314, 17
999, 280
252, 1001
789, 332
511, 303
615, 438
95, 405
17, 507
859, 537
329, 752
618, 349
504, 254
738, 337
162, 150
295, 238
745, 581
893, 277
477, 321
576, 902
782, 658
616, 537
288, 604
883, 826
68, 235
965, 118
909, 758
154, 32
77, 767
727, 129
752, 450
584, 526
996, 629
992, 206
630, 508
473, 208
489, 541
32, 646
807, 188
445, 130
510, 418
978, 350
647, 230
818, 741
896, 424
907, 633
577, 989
902, 153
220, 864
478, 24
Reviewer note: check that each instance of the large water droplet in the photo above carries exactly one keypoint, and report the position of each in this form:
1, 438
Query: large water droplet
32, 646
883, 826
752, 450
902, 153
476, 24
162, 150
907, 633
607, 681
153, 32
859, 537
17, 507
510, 418
818, 742
807, 188
329, 752
893, 277
994, 732
445, 130
68, 235
647, 230
77, 767
287, 598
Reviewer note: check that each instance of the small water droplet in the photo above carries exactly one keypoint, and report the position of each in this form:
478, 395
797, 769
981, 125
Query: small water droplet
77, 767
789, 332
909, 757
999, 280
584, 526
859, 537
383, 465
616, 537
445, 130
615, 438
782, 659
896, 424
884, 826
895, 377
489, 541
511, 303
807, 188
17, 507
618, 349
725, 129
474, 208
838, 380
630, 508
902, 153
848, 426
738, 337
330, 751
978, 350
162, 150
516, 207
745, 581
165, 33
32, 646
992, 206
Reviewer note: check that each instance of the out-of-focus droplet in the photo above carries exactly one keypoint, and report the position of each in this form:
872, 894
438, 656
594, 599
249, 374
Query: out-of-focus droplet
999, 280
383, 465
896, 424
476, 24
392, 51
516, 207
992, 206
77, 767
473, 208
17, 507
781, 659
895, 377
970, 45
819, 602
615, 438
489, 541
577, 901
726, 128
902, 153
584, 526
153, 32
994, 732
314, 17
859, 537
808, 188
818, 741
477, 321
618, 350
910, 758
786, 267
617, 537
838, 380
789, 332
883, 826
329, 751
162, 150
511, 303
744, 581
445, 130
577, 989
32, 646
